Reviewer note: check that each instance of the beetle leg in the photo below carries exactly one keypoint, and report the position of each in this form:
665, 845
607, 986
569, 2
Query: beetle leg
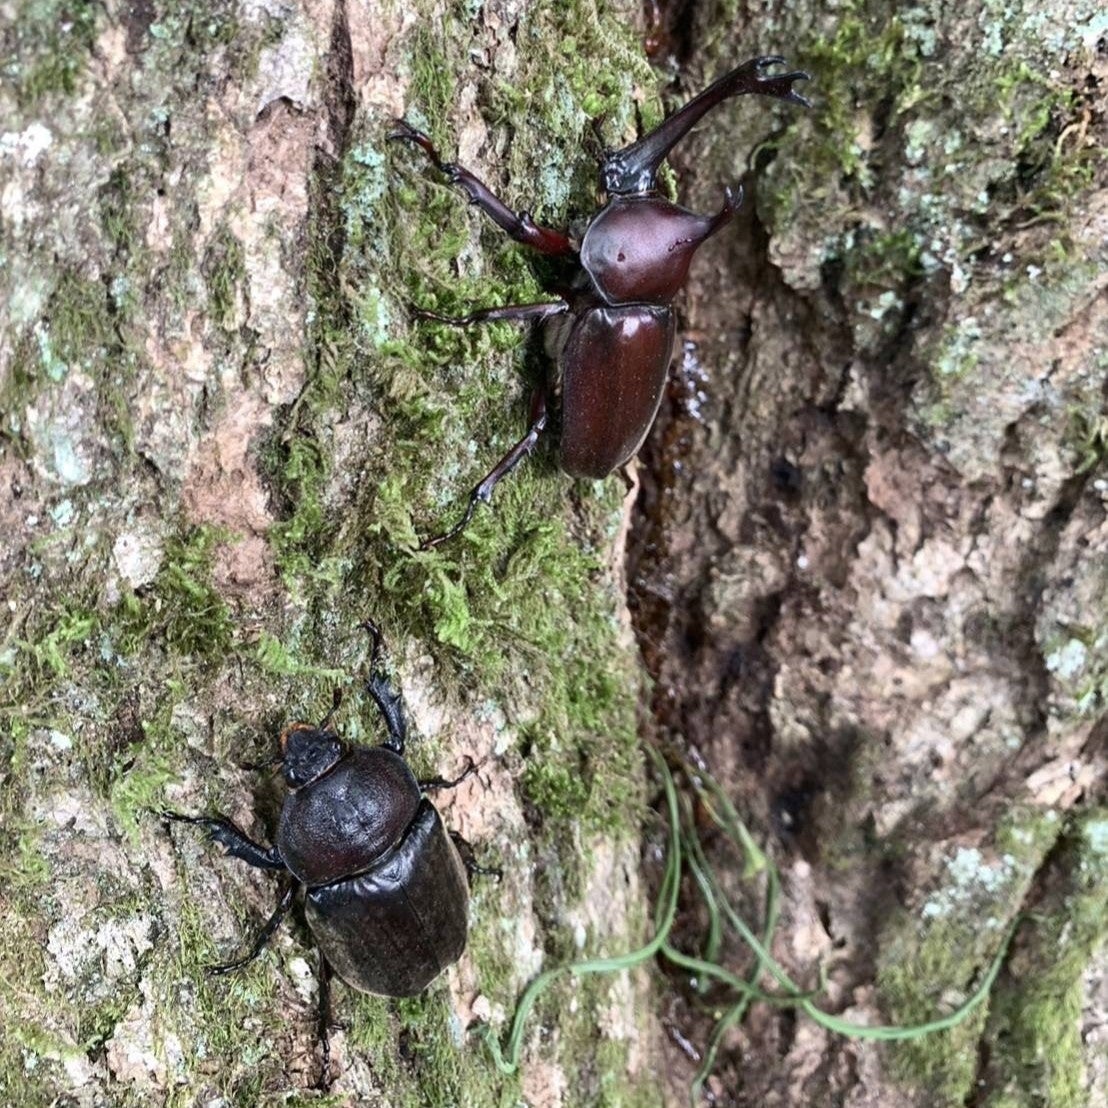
633, 168
443, 783
325, 1022
266, 763
520, 227
482, 494
236, 842
389, 702
336, 704
267, 932
469, 859
537, 312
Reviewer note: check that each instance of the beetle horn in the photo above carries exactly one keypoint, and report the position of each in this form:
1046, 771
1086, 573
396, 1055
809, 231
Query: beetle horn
633, 169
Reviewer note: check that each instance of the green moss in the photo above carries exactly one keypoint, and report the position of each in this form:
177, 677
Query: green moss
885, 260
866, 46
47, 47
23, 868
81, 330
49, 653
201, 28
117, 210
224, 271
1075, 656
432, 87
1088, 436
943, 1063
899, 125
299, 541
1034, 1034
1054, 157
421, 1053
274, 657
182, 608
139, 787
77, 327
928, 964
863, 56
193, 39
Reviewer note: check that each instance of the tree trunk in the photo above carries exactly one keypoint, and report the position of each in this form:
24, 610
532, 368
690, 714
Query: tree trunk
864, 574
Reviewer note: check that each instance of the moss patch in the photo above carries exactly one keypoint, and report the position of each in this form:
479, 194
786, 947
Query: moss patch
1034, 1031
47, 47
181, 607
944, 947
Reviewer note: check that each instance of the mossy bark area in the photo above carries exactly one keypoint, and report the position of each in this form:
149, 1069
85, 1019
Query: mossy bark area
221, 436
869, 562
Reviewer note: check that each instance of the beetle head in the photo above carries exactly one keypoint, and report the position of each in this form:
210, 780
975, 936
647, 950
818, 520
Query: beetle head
308, 752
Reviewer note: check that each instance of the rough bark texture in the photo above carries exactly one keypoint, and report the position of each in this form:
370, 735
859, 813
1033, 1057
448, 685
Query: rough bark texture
866, 567
869, 564
221, 434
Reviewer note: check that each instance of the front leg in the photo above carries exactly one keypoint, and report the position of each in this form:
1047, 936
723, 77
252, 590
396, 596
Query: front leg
389, 702
520, 226
236, 842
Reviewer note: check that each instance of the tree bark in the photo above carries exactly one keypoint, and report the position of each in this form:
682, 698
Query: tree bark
864, 574
868, 566
223, 433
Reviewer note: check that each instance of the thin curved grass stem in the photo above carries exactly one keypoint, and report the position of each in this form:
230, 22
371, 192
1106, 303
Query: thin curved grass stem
508, 1061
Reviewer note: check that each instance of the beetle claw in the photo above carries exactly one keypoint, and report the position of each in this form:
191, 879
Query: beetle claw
403, 131
732, 198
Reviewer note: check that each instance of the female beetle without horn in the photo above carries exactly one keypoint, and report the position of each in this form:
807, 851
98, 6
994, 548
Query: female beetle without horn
386, 891
612, 331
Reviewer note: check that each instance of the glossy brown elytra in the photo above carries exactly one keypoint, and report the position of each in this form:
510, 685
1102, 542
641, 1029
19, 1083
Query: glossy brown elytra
611, 331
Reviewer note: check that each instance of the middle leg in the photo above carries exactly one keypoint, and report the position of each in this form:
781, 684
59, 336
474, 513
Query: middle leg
262, 941
510, 312
482, 494
426, 783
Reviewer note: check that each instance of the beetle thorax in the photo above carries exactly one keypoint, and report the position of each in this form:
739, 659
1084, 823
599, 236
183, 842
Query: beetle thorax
638, 249
349, 818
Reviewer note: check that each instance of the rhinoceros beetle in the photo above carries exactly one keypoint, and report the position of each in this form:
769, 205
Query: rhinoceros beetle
386, 889
611, 330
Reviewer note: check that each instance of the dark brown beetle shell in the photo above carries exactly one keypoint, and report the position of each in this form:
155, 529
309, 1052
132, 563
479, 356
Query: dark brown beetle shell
343, 822
638, 249
394, 928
